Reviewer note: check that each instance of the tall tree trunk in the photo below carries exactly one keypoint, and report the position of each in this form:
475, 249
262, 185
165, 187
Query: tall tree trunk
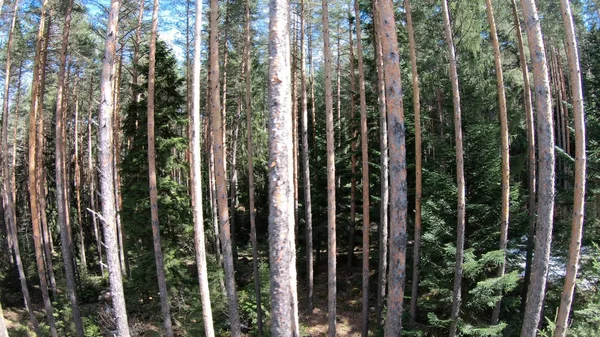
13, 176
331, 207
8, 204
220, 173
294, 58
384, 161
8, 186
338, 179
580, 168
250, 147
107, 188
233, 203
505, 212
48, 245
92, 180
460, 175
352, 129
312, 88
61, 179
78, 180
158, 255
33, 173
418, 163
306, 167
531, 155
224, 104
397, 148
364, 141
196, 186
282, 253
545, 206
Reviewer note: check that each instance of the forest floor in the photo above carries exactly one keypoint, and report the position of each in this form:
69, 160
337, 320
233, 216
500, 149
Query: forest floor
349, 296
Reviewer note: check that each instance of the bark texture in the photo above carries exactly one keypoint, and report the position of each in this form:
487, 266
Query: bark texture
580, 169
545, 146
282, 253
107, 195
460, 175
398, 190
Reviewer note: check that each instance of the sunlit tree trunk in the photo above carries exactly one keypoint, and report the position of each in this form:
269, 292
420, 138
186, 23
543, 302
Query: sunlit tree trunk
331, 207
384, 174
77, 175
580, 170
306, 167
233, 203
505, 212
34, 191
364, 141
398, 189
418, 163
196, 185
136, 52
460, 175
220, 173
545, 206
61, 179
107, 188
282, 254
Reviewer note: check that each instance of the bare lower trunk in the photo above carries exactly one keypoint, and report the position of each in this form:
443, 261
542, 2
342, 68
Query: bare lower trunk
580, 170
545, 207
397, 148
384, 174
460, 175
282, 254
105, 143
504, 150
352, 129
220, 174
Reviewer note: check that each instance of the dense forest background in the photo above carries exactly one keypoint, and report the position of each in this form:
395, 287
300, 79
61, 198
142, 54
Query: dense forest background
56, 241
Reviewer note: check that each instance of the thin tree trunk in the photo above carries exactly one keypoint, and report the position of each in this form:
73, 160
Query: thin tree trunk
92, 180
220, 173
234, 176
397, 148
48, 245
224, 104
531, 155
365, 174
331, 207
580, 170
158, 255
545, 207
7, 204
384, 161
353, 154
460, 175
306, 167
199, 239
33, 174
418, 163
78, 181
61, 179
8, 186
312, 88
505, 212
13, 176
252, 210
117, 163
282, 253
338, 179
136, 52
105, 143
294, 59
